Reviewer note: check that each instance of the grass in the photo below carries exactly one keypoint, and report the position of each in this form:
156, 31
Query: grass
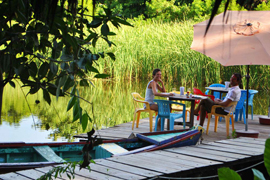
155, 44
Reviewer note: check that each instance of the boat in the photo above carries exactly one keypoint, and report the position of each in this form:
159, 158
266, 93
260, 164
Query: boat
20, 155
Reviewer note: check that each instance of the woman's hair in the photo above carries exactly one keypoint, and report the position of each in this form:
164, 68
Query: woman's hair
155, 71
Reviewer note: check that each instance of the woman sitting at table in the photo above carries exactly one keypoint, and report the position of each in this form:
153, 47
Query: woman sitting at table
151, 91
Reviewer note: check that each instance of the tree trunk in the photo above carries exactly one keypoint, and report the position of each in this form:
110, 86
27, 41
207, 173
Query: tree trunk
1, 93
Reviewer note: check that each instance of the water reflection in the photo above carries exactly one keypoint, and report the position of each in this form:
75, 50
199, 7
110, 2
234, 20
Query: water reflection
112, 105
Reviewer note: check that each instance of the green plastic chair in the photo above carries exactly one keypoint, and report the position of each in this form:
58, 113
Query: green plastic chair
164, 111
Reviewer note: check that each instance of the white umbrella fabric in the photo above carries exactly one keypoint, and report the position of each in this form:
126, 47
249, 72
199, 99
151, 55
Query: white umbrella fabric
236, 38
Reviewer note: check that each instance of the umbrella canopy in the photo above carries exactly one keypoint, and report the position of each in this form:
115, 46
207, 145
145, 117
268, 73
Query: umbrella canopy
243, 38
236, 38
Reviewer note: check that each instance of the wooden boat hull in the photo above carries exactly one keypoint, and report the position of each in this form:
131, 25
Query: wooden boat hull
19, 156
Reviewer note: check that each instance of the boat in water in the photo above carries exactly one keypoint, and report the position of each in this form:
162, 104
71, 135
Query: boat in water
20, 155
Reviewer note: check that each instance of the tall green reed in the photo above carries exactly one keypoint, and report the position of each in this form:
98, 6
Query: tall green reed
166, 45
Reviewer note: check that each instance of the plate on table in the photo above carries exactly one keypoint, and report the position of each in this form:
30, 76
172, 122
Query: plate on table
199, 97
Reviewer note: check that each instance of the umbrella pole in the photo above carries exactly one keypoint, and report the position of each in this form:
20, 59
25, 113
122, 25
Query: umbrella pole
247, 77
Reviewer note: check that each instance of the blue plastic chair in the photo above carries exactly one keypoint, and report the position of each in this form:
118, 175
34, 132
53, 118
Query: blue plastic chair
240, 108
251, 94
216, 94
164, 111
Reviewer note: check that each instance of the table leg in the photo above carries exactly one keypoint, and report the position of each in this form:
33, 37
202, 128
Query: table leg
192, 114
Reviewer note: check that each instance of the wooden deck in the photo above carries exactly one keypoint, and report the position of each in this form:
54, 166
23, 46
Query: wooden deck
124, 130
215, 151
190, 161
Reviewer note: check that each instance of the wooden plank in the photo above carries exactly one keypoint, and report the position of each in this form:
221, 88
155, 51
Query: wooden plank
48, 154
140, 163
219, 153
114, 172
13, 176
85, 174
246, 149
187, 158
249, 141
242, 144
201, 155
31, 173
127, 168
182, 163
255, 139
228, 149
160, 160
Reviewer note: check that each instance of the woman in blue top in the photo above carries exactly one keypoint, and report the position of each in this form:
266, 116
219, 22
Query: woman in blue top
152, 87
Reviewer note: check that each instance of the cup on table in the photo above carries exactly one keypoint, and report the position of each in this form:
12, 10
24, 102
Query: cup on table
182, 90
227, 83
173, 90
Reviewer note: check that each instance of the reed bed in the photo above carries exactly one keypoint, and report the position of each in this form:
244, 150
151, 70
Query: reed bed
166, 45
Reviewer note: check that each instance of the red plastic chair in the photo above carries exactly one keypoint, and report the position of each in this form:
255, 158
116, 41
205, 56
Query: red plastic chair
199, 92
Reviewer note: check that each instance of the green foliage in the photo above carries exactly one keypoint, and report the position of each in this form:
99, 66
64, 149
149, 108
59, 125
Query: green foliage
47, 48
267, 155
258, 175
68, 168
263, 6
226, 173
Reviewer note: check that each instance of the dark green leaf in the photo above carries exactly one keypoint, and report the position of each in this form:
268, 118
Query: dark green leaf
62, 80
33, 69
67, 57
34, 89
121, 21
12, 84
92, 69
95, 23
53, 68
84, 82
84, 121
68, 84
105, 30
112, 56
257, 175
73, 91
71, 102
226, 173
46, 96
43, 70
102, 76
64, 66
267, 155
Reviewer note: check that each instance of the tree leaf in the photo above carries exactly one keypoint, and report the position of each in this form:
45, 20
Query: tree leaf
68, 84
84, 121
46, 96
226, 173
267, 155
105, 29
112, 56
64, 66
258, 175
33, 69
102, 76
12, 84
53, 68
43, 70
121, 21
95, 23
84, 82
71, 102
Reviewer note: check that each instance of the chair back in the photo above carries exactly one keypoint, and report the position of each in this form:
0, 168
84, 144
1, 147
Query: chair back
216, 94
163, 108
137, 100
242, 100
251, 94
197, 92
233, 106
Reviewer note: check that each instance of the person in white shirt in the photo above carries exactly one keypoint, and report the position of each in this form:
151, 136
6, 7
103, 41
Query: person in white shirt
234, 94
